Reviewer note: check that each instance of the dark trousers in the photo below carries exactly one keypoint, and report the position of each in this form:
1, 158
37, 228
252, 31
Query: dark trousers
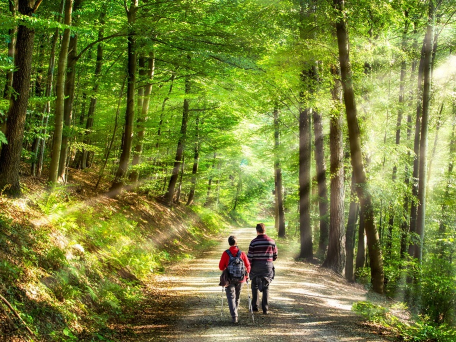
255, 294
233, 293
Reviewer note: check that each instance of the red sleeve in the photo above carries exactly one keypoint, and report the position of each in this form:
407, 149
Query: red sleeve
224, 261
246, 262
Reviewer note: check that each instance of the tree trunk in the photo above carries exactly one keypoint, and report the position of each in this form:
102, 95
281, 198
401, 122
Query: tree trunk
180, 146
416, 149
353, 215
400, 114
361, 251
191, 195
179, 188
335, 257
149, 73
127, 140
208, 195
280, 215
11, 48
321, 181
93, 98
427, 79
60, 92
11, 153
375, 253
304, 183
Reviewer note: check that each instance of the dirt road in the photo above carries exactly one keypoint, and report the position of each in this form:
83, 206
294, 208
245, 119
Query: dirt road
307, 303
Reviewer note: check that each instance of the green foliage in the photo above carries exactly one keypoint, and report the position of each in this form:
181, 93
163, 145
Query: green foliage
421, 329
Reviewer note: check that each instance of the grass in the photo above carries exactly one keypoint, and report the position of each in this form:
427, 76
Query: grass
71, 266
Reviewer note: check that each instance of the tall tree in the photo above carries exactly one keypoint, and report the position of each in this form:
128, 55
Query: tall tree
127, 140
336, 255
373, 242
60, 100
140, 123
196, 149
180, 145
426, 102
321, 181
280, 218
11, 153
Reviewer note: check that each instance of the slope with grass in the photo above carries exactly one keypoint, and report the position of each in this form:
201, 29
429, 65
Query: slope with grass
71, 261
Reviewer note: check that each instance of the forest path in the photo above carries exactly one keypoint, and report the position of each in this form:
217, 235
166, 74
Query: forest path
307, 303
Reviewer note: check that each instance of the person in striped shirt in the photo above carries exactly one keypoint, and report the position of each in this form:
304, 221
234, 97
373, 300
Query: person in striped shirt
262, 253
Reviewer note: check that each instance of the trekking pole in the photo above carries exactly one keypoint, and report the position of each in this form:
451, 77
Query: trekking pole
250, 303
221, 308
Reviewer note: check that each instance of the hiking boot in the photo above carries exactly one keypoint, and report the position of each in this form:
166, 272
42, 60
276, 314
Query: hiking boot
235, 320
265, 312
255, 309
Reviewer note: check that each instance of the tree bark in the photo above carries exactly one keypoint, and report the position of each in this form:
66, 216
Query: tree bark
11, 153
304, 183
191, 194
280, 213
375, 253
11, 48
416, 149
180, 146
69, 98
149, 73
321, 181
127, 140
209, 185
427, 79
60, 92
353, 215
93, 98
335, 257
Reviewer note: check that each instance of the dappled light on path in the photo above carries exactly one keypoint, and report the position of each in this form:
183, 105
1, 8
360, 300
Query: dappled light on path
307, 303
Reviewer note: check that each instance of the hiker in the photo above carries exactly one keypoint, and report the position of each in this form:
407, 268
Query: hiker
236, 280
262, 252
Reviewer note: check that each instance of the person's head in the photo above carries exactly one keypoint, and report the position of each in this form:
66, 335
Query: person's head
232, 240
260, 228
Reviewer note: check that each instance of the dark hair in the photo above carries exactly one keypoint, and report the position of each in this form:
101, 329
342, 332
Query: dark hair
232, 240
260, 228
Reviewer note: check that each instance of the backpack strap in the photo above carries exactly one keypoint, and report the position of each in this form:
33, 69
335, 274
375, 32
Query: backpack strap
239, 253
229, 253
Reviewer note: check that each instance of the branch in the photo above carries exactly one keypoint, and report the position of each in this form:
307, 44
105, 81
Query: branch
35, 8
17, 315
202, 109
98, 41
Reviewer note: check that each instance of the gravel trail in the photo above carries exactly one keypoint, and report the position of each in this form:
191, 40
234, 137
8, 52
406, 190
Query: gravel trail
307, 303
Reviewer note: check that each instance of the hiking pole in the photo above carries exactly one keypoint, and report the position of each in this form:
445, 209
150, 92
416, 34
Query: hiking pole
250, 303
221, 308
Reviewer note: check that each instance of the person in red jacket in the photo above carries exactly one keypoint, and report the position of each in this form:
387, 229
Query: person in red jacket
233, 291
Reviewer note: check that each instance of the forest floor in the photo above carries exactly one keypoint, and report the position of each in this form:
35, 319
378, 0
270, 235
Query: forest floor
307, 303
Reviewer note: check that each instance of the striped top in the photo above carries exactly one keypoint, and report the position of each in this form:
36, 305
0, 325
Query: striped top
262, 248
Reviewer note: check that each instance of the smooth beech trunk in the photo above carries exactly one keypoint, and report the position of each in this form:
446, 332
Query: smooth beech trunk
127, 140
305, 229
280, 213
335, 257
321, 181
373, 242
191, 194
11, 153
140, 124
180, 147
60, 101
426, 102
353, 215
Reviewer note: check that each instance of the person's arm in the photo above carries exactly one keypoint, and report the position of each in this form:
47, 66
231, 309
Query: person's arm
224, 261
246, 262
250, 254
274, 254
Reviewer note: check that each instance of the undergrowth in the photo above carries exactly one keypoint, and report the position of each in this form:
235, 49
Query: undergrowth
420, 328
70, 268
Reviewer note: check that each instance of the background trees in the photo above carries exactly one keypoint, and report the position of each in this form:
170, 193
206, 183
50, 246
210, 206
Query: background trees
236, 105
